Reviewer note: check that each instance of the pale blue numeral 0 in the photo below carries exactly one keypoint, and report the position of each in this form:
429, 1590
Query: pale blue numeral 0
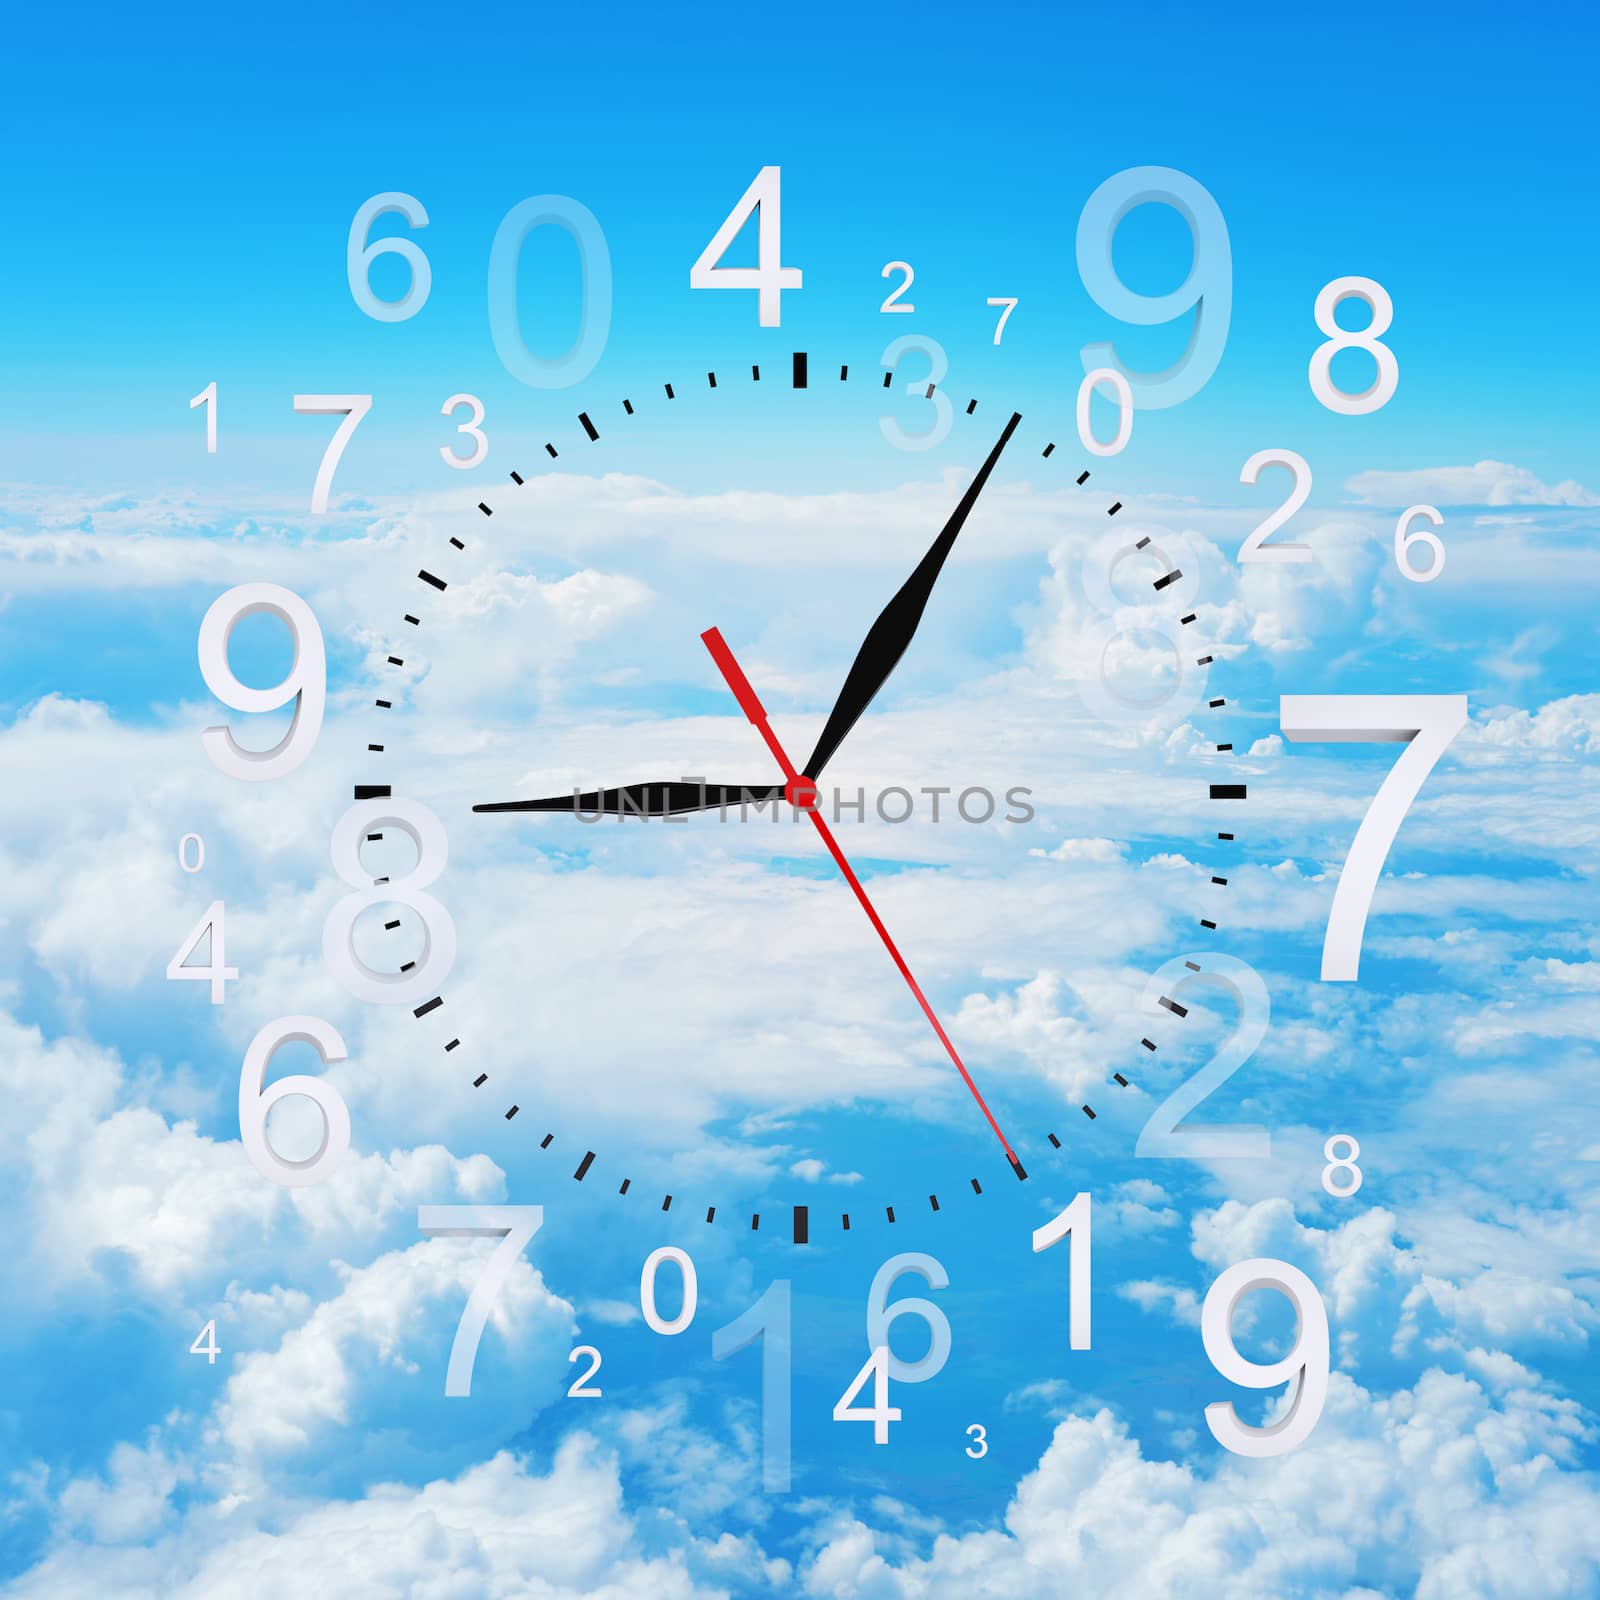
594, 260
1208, 288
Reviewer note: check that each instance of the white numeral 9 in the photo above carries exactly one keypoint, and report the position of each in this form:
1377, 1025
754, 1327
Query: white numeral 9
1208, 288
255, 1102
1306, 1364
359, 256
306, 683
438, 956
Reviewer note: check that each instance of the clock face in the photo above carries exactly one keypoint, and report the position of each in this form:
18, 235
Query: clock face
832, 873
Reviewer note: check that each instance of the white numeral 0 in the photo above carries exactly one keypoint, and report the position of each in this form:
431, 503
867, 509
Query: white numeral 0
255, 1102
438, 929
647, 1290
306, 683
1306, 1364
1122, 393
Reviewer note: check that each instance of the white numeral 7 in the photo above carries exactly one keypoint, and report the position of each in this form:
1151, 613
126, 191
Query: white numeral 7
1425, 724
1010, 306
513, 1226
332, 405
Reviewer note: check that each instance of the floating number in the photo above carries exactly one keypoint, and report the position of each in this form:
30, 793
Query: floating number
1123, 396
1208, 288
359, 256
1306, 1364
210, 927
647, 1290
892, 301
594, 263
1255, 548
767, 277
513, 1226
432, 967
205, 1343
255, 1101
1010, 306
880, 1413
767, 1320
1404, 538
881, 1316
1074, 1220
926, 388
979, 1436
470, 428
580, 1388
306, 683
1425, 724
1346, 1162
352, 407
1161, 1135
1383, 386
199, 852
208, 398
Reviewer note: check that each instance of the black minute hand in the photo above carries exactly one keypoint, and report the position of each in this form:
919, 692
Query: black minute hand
888, 637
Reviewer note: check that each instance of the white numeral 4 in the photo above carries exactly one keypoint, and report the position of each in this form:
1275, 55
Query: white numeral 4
767, 277
513, 1226
205, 1343
352, 407
880, 1414
215, 968
1425, 724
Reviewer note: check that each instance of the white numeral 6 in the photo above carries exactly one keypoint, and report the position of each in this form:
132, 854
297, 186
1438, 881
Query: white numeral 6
255, 1101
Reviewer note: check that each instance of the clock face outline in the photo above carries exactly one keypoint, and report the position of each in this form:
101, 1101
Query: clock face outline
581, 1153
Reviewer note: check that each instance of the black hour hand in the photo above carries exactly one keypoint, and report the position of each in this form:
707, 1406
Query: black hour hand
647, 799
888, 637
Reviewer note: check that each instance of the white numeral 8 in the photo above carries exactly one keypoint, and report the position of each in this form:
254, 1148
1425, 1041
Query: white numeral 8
438, 956
306, 683
1387, 381
1306, 1364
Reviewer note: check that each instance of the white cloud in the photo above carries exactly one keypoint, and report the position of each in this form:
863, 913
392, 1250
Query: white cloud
1485, 483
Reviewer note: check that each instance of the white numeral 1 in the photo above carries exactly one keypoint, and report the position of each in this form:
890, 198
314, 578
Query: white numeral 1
353, 407
1425, 724
1075, 1221
208, 398
767, 1320
513, 1226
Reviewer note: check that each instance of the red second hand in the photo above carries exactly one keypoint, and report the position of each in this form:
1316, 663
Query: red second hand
756, 712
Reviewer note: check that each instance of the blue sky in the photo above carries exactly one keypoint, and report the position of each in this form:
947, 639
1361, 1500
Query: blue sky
702, 1004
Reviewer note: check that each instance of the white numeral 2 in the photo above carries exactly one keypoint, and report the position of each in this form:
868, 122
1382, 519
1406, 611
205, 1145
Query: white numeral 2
1255, 548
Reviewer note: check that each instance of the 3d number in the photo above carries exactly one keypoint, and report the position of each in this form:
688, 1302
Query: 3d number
979, 1435
768, 278
880, 1414
1381, 390
1255, 548
1162, 1136
513, 1226
1073, 1220
892, 299
1122, 395
306, 683
580, 1388
211, 927
1010, 305
769, 1321
470, 428
1347, 1162
882, 1315
199, 852
1306, 1364
1425, 724
256, 1100
647, 1290
352, 407
208, 398
1404, 538
1208, 288
205, 1343
926, 388
359, 256
594, 321
432, 967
